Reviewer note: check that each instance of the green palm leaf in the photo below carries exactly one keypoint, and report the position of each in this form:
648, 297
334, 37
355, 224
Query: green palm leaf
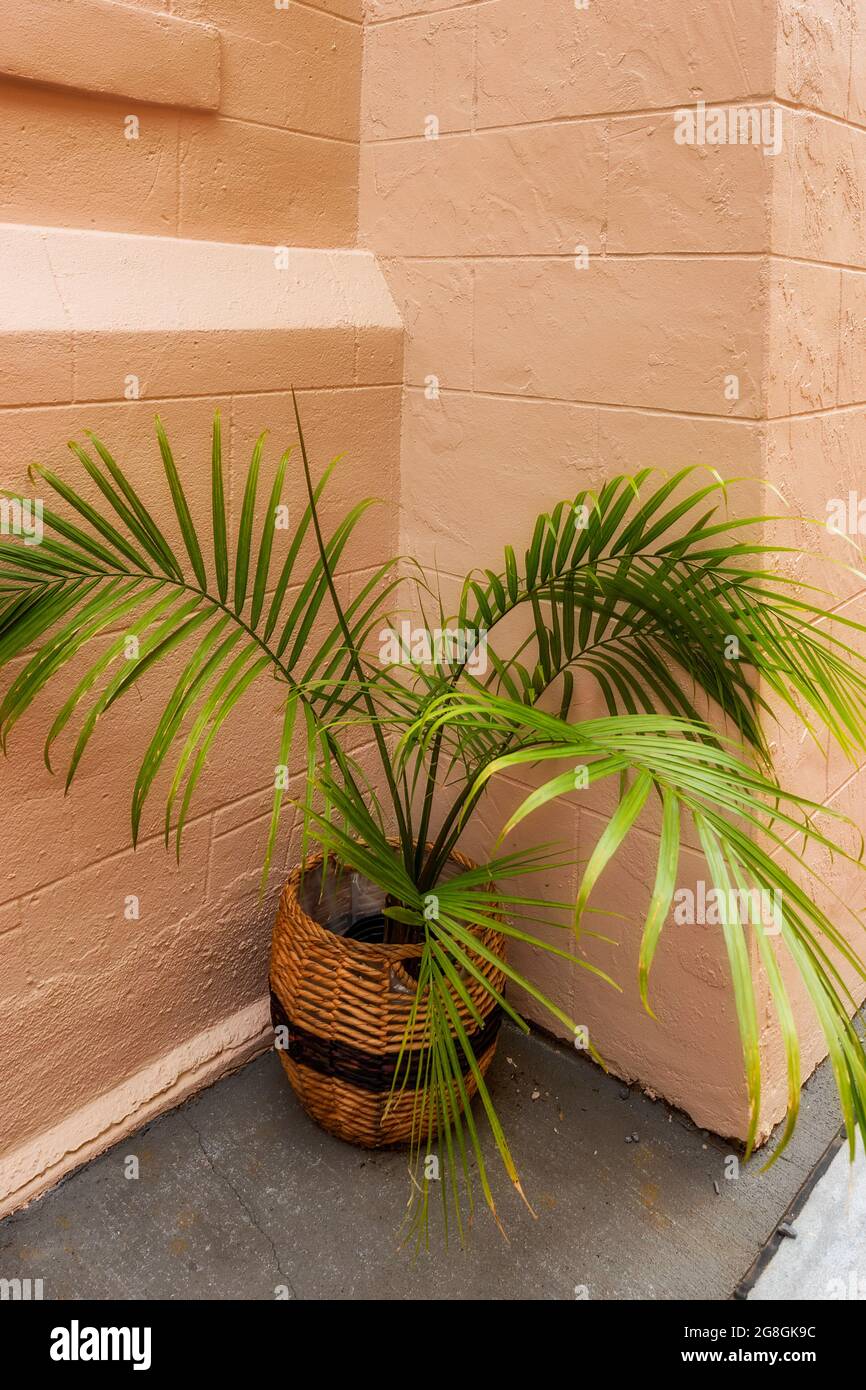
647, 588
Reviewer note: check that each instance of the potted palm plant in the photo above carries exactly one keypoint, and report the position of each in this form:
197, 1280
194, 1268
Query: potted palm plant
389, 969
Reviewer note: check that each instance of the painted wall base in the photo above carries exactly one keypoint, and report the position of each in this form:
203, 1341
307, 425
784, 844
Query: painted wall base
32, 1169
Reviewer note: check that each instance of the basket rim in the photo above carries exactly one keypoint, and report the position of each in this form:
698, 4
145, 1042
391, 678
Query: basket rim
362, 950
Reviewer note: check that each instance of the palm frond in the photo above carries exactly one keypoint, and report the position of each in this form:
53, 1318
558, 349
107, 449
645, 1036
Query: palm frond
99, 571
688, 621
736, 811
642, 590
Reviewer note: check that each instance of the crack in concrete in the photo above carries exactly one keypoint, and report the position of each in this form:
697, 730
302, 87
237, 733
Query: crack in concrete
247, 1210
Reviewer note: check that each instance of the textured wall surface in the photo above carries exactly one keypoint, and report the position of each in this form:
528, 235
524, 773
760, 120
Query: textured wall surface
815, 391
498, 140
577, 291
275, 162
104, 1020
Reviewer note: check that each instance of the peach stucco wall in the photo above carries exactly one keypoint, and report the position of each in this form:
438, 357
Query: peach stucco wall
816, 390
498, 138
147, 266
307, 126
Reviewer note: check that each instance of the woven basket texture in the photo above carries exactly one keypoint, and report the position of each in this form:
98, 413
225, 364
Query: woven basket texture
346, 1004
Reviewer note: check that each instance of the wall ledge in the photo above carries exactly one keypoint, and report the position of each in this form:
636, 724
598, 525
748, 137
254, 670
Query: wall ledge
81, 311
113, 50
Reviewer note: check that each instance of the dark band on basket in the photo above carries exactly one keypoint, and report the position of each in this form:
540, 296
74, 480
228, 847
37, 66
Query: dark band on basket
370, 1071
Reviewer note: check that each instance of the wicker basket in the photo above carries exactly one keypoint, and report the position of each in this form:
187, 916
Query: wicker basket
344, 1005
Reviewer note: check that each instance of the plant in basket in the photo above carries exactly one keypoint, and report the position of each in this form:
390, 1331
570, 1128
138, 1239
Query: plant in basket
390, 972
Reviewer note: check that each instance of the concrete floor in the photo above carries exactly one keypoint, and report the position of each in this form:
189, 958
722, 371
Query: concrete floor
239, 1194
